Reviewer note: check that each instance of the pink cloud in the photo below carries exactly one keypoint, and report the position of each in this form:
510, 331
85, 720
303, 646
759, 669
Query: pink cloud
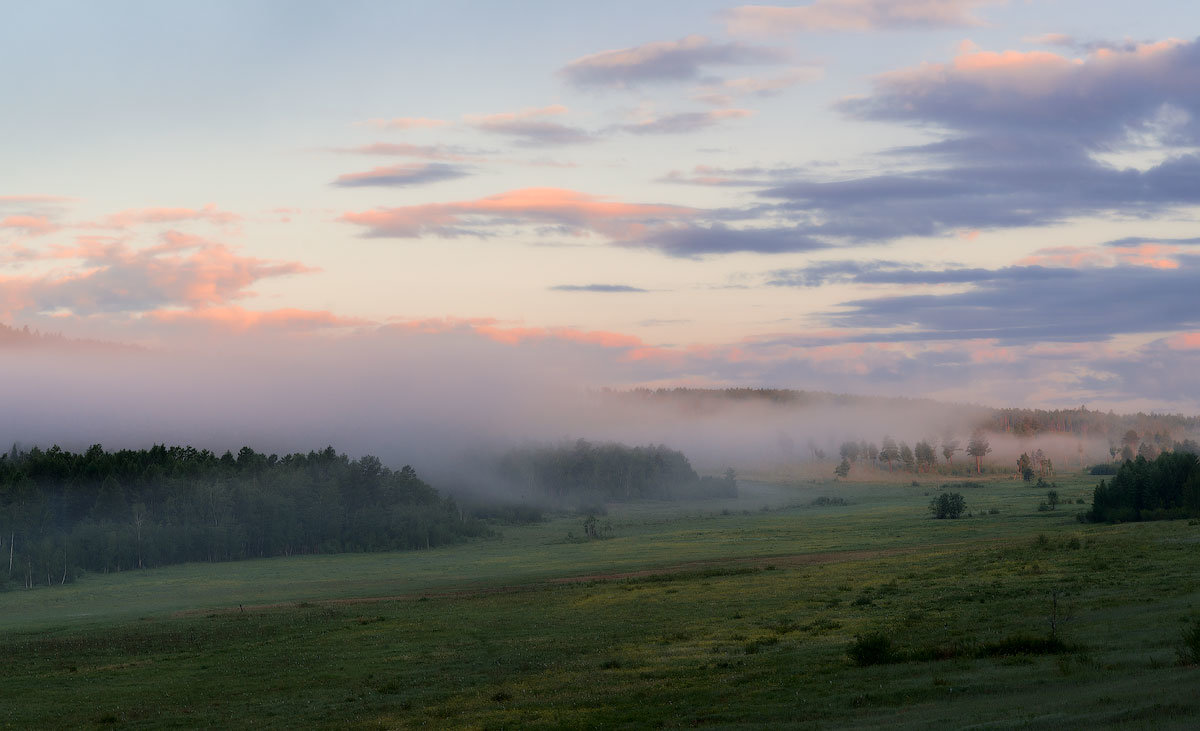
1038, 74
238, 320
1067, 256
110, 276
1148, 255
575, 210
1184, 341
515, 335
32, 225
139, 216
1155, 256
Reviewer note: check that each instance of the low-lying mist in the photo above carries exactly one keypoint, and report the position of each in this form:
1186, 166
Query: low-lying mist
440, 402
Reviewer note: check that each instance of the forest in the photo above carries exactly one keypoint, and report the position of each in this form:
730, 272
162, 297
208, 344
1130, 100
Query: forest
607, 472
63, 512
1167, 487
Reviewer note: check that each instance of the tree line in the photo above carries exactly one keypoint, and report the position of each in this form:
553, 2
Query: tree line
607, 472
1163, 488
62, 513
921, 457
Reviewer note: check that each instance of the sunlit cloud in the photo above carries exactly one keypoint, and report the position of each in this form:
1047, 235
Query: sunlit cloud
30, 225
577, 211
1099, 98
110, 276
232, 319
139, 216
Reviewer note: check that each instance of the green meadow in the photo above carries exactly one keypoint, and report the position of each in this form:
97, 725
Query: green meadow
720, 613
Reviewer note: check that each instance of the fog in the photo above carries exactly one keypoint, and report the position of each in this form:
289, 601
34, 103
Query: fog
436, 401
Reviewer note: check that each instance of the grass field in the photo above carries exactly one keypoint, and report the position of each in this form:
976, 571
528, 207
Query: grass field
723, 613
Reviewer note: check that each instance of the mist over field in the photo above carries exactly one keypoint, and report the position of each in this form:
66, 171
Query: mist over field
443, 403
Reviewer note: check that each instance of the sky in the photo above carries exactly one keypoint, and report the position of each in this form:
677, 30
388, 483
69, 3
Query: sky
975, 201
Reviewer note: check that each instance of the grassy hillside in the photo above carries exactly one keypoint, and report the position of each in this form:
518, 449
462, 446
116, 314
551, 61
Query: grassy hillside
719, 613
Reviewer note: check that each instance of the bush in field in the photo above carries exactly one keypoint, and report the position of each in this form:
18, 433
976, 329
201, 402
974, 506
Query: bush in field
948, 505
874, 648
1188, 649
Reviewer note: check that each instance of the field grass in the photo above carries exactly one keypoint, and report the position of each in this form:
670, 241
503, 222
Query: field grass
719, 613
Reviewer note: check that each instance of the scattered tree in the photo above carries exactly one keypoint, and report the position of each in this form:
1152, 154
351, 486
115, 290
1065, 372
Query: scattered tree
889, 452
925, 455
843, 468
949, 447
1025, 467
906, 456
978, 447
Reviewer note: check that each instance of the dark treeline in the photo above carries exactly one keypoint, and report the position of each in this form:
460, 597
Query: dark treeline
62, 512
1085, 422
608, 472
1163, 488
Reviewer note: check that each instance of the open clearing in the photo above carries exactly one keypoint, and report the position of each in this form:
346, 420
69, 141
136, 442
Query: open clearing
719, 613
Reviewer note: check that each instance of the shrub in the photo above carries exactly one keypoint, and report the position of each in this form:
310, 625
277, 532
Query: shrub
948, 505
874, 648
1188, 649
826, 501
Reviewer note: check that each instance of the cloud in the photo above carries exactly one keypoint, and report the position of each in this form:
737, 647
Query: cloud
691, 241
1099, 99
731, 177
400, 149
30, 225
663, 61
403, 123
854, 15
112, 277
1018, 304
577, 212
722, 93
892, 272
984, 183
596, 288
671, 230
402, 175
1023, 135
529, 127
139, 216
684, 122
231, 319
